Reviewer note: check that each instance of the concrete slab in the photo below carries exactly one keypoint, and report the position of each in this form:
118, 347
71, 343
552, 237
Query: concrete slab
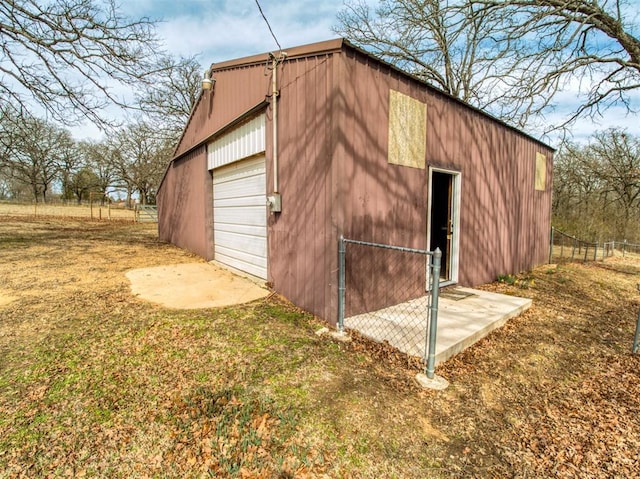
193, 286
465, 316
464, 322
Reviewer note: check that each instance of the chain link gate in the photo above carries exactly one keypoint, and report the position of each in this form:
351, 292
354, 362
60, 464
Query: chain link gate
390, 294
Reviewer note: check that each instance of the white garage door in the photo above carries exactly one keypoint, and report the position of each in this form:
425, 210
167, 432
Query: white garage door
240, 215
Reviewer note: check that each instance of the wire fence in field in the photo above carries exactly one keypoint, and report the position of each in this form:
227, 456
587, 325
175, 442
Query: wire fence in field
90, 211
565, 247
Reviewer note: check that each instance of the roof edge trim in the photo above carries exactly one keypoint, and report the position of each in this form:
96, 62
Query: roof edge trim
311, 49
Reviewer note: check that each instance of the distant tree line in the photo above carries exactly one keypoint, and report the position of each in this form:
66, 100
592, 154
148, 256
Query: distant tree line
596, 188
67, 62
40, 160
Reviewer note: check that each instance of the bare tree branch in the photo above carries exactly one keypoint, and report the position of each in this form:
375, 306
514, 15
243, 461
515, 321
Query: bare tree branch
169, 101
71, 56
573, 39
455, 46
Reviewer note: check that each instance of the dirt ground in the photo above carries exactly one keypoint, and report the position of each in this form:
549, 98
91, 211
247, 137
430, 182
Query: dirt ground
95, 382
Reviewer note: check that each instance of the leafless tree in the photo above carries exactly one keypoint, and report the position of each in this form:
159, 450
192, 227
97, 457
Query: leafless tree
70, 56
577, 205
591, 42
140, 158
34, 159
70, 163
169, 101
81, 183
455, 46
98, 158
618, 156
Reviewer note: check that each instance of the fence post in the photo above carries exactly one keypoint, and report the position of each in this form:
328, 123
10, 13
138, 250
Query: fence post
595, 253
636, 337
433, 323
551, 245
341, 283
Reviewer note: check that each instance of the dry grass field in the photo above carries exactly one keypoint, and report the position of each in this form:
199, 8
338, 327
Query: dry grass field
97, 383
67, 211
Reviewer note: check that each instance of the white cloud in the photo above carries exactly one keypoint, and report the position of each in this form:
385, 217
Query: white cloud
219, 30
567, 101
237, 29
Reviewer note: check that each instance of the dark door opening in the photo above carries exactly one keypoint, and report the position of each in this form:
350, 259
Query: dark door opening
441, 233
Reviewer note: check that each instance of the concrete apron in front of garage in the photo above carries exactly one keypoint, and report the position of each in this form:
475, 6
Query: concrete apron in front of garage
465, 316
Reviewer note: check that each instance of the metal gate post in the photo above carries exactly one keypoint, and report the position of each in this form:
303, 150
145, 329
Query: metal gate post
551, 246
433, 324
341, 283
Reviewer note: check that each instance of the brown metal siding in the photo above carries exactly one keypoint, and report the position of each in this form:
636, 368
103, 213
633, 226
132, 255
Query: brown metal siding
185, 205
504, 223
382, 203
335, 179
236, 91
302, 239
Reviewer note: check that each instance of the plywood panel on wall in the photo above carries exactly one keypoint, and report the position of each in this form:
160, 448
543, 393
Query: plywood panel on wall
541, 171
407, 130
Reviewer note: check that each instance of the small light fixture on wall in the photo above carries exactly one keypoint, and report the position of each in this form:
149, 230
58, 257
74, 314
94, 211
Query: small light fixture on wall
207, 81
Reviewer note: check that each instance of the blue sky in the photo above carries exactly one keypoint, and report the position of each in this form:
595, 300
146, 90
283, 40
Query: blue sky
218, 30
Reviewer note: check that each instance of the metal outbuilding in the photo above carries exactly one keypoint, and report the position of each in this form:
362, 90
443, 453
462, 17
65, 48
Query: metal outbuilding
286, 153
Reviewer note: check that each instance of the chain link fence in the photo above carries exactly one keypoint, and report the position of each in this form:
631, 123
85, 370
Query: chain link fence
390, 294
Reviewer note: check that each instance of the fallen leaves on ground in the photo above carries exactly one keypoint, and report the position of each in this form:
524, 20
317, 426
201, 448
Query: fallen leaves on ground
96, 383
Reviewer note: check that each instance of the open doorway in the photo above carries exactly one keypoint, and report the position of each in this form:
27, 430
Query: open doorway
443, 220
